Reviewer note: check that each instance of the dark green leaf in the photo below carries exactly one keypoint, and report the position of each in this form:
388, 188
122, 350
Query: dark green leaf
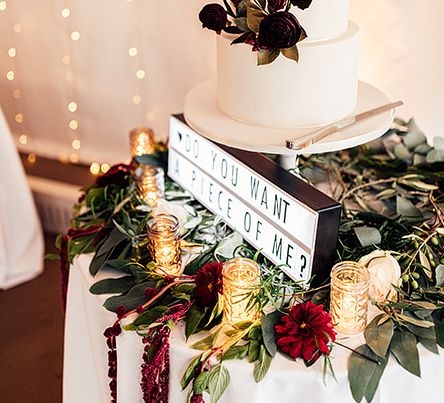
201, 383
194, 317
378, 337
52, 256
375, 378
131, 300
236, 353
267, 325
112, 285
262, 364
406, 208
253, 350
368, 236
191, 371
403, 347
218, 381
150, 316
438, 318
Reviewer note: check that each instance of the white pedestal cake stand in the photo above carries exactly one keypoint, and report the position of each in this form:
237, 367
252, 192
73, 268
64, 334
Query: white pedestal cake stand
203, 115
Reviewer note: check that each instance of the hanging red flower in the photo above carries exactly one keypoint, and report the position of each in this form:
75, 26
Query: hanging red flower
305, 332
208, 284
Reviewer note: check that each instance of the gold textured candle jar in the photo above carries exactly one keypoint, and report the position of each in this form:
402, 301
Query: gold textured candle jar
240, 277
142, 141
150, 183
349, 297
164, 244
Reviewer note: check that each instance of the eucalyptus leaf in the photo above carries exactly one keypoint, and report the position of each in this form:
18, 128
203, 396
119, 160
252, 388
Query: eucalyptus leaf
402, 152
267, 325
438, 318
414, 138
439, 272
227, 246
368, 236
403, 347
425, 264
378, 337
218, 381
112, 285
406, 208
435, 156
131, 300
373, 383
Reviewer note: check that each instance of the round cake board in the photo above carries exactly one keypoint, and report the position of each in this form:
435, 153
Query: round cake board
203, 115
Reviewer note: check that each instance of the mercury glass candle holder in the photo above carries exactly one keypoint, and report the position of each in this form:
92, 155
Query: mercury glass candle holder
349, 297
150, 183
164, 244
240, 279
142, 141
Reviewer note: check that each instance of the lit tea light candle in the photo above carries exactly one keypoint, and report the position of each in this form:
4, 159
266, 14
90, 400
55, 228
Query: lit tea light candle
150, 183
349, 297
164, 244
142, 141
240, 278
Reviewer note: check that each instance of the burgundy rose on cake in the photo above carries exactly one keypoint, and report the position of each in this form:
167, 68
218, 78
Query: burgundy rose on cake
268, 27
306, 332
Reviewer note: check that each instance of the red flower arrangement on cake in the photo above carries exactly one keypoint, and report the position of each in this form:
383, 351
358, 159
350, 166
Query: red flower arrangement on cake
268, 26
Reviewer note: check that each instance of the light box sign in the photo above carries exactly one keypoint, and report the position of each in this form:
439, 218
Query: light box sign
291, 222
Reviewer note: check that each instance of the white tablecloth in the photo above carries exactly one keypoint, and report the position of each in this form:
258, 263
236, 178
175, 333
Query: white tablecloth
21, 239
85, 366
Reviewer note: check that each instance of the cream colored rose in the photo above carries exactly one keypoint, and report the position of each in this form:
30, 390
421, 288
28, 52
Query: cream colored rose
384, 271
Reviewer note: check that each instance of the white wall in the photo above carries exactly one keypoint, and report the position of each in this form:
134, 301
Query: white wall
402, 52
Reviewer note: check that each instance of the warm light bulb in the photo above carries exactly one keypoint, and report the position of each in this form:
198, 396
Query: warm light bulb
10, 75
132, 51
72, 106
76, 144
94, 168
137, 99
23, 139
17, 28
104, 167
66, 59
140, 74
19, 117
75, 35
65, 13
3, 5
74, 158
12, 52
73, 124
32, 158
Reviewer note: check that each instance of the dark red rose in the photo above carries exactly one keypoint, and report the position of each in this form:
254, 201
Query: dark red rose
276, 5
208, 284
302, 4
118, 174
305, 332
279, 31
213, 16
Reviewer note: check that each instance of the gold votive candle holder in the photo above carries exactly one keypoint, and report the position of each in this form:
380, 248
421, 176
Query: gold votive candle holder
164, 244
349, 297
142, 141
240, 281
150, 183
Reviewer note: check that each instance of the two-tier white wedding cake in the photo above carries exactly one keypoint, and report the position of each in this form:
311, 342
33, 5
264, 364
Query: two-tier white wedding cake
321, 88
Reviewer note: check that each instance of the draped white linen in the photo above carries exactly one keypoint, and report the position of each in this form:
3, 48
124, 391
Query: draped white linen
85, 363
21, 239
402, 51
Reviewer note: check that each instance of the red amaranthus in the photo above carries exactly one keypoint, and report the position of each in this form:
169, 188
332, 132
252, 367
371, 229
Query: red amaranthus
305, 332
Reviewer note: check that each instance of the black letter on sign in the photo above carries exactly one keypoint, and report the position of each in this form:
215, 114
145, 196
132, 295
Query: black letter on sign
196, 149
289, 255
277, 209
254, 186
224, 168
234, 175
304, 264
277, 247
258, 229
247, 221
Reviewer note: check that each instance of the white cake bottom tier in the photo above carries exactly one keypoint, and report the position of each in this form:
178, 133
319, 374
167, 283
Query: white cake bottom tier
320, 89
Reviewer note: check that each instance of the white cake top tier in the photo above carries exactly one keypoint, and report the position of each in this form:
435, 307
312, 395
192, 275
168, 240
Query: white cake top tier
324, 19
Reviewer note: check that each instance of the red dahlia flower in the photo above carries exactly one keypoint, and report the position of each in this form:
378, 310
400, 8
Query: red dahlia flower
208, 283
118, 174
305, 332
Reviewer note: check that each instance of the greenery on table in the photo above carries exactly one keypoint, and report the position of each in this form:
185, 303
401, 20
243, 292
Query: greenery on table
392, 193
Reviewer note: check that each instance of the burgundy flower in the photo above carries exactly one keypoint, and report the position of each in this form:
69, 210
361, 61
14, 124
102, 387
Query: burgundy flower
276, 5
302, 4
118, 174
305, 332
197, 398
120, 311
279, 31
213, 16
208, 284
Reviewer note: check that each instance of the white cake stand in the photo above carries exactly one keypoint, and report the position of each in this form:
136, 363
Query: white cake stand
203, 115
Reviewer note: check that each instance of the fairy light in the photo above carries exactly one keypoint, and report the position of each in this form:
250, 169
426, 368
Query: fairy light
76, 144
73, 124
66, 60
19, 117
72, 106
140, 74
17, 28
12, 52
132, 51
137, 99
74, 158
104, 167
65, 13
3, 5
23, 139
16, 93
32, 158
75, 36
10, 75
94, 168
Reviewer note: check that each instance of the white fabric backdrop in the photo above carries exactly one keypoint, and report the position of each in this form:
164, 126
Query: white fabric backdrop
402, 52
85, 363
21, 239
